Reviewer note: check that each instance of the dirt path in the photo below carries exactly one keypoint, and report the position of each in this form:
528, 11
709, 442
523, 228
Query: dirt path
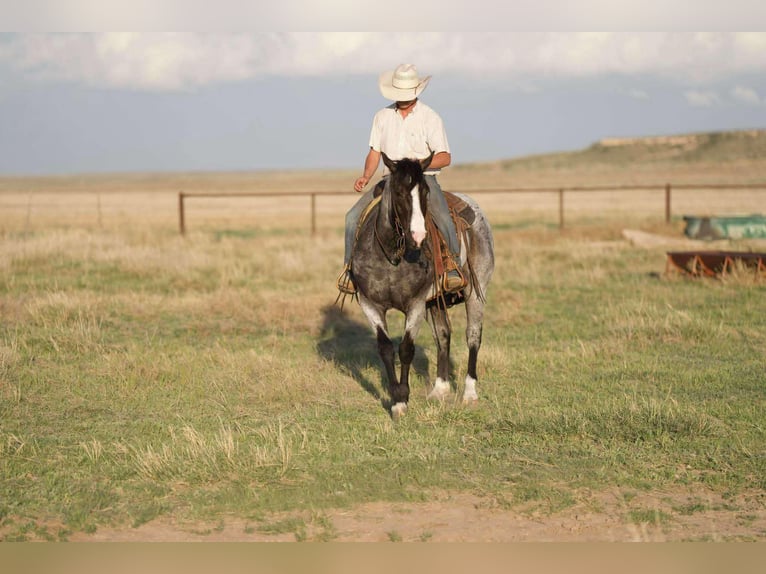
606, 516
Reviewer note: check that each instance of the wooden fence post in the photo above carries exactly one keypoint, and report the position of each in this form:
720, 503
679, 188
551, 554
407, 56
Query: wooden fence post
181, 222
667, 203
313, 214
561, 209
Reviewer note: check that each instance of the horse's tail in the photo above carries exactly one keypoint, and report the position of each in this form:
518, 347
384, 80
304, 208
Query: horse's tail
472, 277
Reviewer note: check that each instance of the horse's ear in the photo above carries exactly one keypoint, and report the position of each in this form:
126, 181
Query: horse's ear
424, 163
391, 165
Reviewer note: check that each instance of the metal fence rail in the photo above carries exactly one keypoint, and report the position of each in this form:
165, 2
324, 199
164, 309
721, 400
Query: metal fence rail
560, 191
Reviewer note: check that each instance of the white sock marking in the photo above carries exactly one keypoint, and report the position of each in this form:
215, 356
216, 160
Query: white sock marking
398, 410
469, 394
441, 389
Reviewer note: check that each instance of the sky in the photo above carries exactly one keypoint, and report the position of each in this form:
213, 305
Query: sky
98, 102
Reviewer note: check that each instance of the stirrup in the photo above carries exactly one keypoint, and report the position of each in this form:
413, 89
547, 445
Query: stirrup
453, 281
346, 282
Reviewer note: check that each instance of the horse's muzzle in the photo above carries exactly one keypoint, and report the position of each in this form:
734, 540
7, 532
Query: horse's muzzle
418, 237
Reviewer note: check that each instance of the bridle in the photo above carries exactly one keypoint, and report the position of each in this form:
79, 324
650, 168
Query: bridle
395, 252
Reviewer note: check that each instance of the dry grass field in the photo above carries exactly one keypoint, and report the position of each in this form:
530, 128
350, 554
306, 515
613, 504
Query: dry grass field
159, 387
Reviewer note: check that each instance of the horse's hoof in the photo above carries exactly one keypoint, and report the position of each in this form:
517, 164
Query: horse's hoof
440, 391
469, 400
398, 410
469, 393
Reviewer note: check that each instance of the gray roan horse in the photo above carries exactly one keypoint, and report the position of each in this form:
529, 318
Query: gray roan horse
392, 270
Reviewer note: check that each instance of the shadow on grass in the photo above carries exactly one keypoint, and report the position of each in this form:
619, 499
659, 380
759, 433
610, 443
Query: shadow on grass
351, 346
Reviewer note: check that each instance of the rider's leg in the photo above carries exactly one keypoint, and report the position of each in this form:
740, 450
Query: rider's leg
352, 220
437, 206
346, 280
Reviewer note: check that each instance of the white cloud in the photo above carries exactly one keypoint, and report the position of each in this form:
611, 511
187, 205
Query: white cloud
637, 94
750, 46
138, 61
746, 95
157, 61
702, 99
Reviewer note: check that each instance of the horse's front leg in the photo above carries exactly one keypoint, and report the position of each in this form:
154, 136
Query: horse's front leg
399, 390
399, 393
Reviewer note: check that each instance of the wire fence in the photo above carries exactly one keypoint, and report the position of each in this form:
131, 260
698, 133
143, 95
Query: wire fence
559, 192
568, 204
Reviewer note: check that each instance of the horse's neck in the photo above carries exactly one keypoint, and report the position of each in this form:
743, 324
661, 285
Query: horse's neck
388, 238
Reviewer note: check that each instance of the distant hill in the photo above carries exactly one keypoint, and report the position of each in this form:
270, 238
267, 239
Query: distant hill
716, 157
711, 147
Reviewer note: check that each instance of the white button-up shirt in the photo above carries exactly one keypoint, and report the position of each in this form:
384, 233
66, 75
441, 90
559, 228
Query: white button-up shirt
415, 136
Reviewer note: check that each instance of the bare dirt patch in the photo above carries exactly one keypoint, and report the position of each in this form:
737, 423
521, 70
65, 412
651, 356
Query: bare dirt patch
613, 515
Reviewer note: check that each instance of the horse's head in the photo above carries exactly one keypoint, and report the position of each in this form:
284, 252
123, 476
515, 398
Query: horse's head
409, 198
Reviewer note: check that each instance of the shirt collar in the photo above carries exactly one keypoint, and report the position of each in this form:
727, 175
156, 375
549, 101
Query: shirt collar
413, 110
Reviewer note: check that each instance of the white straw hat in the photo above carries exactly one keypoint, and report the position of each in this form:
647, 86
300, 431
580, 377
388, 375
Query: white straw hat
403, 84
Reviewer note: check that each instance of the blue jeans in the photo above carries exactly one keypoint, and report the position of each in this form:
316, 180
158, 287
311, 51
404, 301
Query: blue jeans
437, 207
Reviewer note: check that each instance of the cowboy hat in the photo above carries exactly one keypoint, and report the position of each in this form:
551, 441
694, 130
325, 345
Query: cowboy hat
403, 84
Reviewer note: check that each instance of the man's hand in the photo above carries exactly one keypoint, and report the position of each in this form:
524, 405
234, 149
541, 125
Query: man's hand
360, 183
370, 166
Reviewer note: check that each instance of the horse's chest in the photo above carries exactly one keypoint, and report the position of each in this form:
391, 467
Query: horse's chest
395, 284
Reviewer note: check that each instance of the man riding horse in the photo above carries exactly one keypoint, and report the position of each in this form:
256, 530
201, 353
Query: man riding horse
408, 128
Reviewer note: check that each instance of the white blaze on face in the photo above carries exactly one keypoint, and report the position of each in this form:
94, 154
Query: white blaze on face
418, 222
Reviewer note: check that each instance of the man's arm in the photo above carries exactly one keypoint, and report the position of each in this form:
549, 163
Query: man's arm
440, 160
370, 167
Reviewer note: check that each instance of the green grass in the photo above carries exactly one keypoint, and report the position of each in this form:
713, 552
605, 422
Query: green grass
142, 375
649, 516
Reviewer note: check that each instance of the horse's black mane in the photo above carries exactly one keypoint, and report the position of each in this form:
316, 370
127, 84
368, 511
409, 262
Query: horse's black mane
409, 171
406, 176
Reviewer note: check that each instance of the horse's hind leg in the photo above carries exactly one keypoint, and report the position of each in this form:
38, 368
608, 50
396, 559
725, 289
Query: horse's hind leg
441, 331
474, 319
